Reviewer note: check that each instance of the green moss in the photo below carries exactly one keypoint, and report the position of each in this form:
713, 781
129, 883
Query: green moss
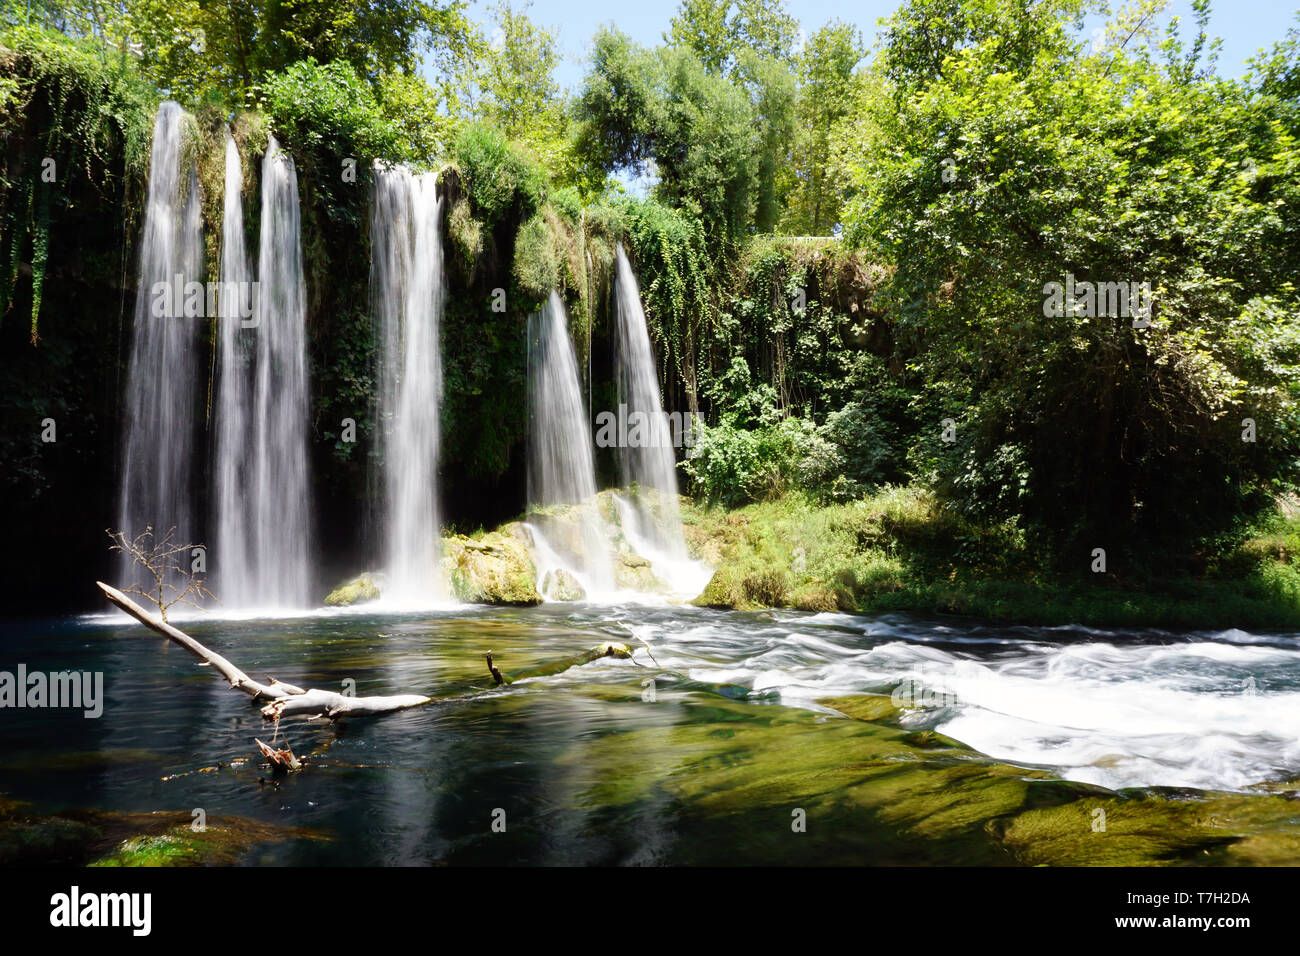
869, 707
179, 846
465, 231
357, 591
903, 798
500, 177
537, 260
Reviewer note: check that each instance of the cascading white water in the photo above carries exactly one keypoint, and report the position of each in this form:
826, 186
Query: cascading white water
649, 463
263, 534
161, 392
234, 389
561, 469
406, 282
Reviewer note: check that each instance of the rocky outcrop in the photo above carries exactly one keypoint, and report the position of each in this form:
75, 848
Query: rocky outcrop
494, 568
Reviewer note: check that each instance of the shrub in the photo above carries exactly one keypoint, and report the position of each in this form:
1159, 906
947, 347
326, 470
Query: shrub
499, 177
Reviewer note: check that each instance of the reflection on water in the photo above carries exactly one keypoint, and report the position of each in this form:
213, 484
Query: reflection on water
694, 751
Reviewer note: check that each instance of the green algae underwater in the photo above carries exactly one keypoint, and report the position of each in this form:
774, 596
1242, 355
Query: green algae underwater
773, 738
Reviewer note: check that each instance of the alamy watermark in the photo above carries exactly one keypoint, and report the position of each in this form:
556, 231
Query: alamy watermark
1099, 300
178, 299
76, 690
637, 429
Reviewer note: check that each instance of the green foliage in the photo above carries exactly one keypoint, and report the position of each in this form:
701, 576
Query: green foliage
901, 550
537, 259
512, 86
327, 109
670, 252
500, 178
826, 97
734, 466
1010, 157
62, 104
195, 48
720, 32
703, 131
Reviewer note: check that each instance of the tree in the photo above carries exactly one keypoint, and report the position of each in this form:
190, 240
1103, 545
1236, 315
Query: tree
826, 94
720, 36
1019, 159
702, 131
172, 579
511, 84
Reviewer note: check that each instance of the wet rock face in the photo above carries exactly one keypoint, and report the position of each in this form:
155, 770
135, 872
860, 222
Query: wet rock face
495, 568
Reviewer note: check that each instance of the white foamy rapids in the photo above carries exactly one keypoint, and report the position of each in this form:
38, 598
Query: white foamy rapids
1197, 713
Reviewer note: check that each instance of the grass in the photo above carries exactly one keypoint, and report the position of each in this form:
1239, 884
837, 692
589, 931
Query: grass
899, 551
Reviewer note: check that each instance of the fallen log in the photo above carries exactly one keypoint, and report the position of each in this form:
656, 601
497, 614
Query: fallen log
285, 699
604, 649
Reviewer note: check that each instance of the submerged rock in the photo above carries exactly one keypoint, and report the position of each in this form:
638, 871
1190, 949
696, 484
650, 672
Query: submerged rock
494, 568
359, 590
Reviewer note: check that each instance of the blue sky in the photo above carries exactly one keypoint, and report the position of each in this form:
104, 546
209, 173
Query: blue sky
1244, 25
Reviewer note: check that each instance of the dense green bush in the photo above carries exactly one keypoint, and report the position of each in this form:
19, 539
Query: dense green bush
327, 109
537, 259
500, 178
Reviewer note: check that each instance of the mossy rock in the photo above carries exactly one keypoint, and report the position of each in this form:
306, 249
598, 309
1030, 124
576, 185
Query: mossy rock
184, 846
45, 841
357, 591
869, 707
815, 597
720, 592
494, 568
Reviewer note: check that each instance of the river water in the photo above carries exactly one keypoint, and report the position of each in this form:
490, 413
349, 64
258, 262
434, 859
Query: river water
698, 749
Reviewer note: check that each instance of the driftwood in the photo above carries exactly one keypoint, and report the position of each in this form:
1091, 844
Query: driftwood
286, 700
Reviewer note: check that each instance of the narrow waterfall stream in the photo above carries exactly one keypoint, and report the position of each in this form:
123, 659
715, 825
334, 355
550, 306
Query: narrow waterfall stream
560, 461
235, 580
406, 282
648, 463
161, 391
276, 498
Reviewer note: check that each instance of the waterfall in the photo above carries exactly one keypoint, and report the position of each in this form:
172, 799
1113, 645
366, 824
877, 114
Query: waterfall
234, 396
561, 468
648, 463
262, 499
406, 282
161, 385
